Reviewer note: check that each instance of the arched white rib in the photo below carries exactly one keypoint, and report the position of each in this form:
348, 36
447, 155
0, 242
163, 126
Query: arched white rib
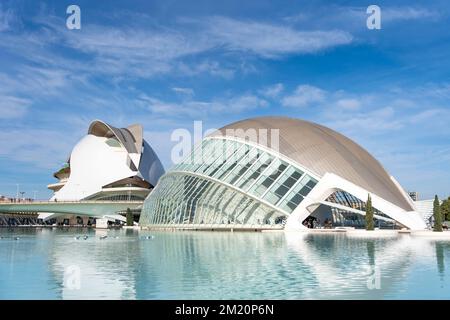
331, 183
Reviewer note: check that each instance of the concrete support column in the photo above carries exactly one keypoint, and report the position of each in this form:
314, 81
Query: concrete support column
73, 220
85, 221
101, 223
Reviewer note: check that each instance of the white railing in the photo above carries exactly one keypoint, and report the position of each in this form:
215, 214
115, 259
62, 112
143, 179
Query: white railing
70, 201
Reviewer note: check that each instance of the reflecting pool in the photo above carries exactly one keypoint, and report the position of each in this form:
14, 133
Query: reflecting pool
128, 264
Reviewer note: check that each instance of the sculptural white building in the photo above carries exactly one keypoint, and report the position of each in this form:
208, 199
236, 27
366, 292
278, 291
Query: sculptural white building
243, 181
108, 164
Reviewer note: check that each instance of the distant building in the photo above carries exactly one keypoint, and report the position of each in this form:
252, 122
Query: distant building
4, 199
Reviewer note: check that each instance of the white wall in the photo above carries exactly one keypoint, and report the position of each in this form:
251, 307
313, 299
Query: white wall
93, 164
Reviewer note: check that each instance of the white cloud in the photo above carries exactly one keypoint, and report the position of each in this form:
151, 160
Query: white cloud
38, 81
353, 18
13, 107
243, 103
369, 114
432, 116
349, 104
6, 18
199, 109
184, 91
213, 68
407, 13
146, 50
272, 91
388, 14
366, 122
271, 40
140, 52
38, 147
303, 96
137, 44
441, 91
386, 113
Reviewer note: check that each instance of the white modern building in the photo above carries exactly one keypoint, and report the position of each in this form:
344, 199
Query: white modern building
109, 163
303, 175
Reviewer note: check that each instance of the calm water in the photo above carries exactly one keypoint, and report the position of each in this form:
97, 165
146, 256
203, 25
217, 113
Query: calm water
43, 263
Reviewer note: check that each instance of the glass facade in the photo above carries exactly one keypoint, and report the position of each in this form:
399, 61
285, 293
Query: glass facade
349, 200
225, 181
346, 218
185, 199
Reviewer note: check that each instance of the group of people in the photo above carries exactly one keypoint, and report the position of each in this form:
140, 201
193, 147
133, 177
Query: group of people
313, 222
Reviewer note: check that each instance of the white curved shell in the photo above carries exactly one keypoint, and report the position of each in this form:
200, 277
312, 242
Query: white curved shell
95, 162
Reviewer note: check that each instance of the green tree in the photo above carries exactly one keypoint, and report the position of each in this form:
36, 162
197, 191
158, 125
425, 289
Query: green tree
445, 209
369, 214
437, 215
129, 217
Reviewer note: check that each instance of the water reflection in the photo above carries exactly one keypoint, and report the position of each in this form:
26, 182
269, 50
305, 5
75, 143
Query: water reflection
107, 266
441, 248
371, 252
214, 265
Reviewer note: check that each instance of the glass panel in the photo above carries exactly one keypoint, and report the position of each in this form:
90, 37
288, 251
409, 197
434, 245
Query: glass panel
290, 177
289, 206
311, 183
272, 197
239, 152
279, 167
255, 171
296, 199
279, 189
241, 168
304, 191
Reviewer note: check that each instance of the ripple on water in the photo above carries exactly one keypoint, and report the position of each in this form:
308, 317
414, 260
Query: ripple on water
220, 265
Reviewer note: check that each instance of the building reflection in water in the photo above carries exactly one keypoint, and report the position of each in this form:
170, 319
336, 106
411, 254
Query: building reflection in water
239, 265
371, 252
441, 248
107, 267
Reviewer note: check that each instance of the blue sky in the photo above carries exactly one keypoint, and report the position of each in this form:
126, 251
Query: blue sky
165, 64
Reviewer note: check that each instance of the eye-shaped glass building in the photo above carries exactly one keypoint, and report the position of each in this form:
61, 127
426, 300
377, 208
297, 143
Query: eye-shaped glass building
274, 173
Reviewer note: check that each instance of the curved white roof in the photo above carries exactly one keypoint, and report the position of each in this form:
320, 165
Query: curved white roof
323, 150
131, 137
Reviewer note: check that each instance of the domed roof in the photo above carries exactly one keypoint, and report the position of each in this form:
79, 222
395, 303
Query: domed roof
323, 150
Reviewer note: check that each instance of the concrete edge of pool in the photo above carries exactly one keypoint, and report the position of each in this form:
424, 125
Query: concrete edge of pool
347, 231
